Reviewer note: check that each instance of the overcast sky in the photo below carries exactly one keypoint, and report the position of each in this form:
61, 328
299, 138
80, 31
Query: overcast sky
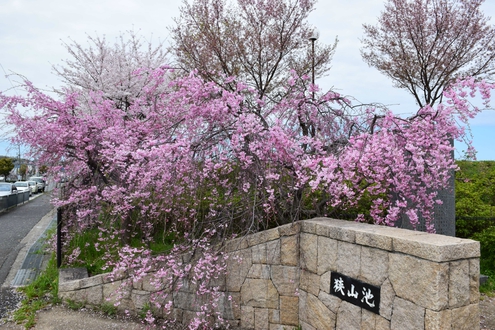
32, 32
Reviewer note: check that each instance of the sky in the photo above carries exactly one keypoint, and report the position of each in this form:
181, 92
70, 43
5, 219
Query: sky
32, 33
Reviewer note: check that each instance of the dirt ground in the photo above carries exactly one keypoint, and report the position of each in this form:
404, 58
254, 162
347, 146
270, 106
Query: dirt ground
62, 318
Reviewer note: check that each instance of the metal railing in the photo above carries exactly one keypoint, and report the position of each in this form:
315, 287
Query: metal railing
6, 202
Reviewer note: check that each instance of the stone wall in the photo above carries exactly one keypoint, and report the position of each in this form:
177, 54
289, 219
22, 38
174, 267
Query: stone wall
281, 278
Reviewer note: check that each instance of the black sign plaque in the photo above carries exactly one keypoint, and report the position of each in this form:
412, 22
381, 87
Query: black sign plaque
358, 293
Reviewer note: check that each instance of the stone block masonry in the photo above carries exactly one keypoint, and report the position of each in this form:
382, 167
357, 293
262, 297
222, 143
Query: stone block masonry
282, 278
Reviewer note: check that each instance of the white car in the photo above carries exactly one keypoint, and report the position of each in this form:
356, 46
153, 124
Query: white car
22, 186
40, 181
7, 189
34, 186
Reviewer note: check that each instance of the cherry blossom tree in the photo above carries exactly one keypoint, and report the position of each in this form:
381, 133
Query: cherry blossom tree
258, 42
120, 70
426, 45
207, 147
204, 167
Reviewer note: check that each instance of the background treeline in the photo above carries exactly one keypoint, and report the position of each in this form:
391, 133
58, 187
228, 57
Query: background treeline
475, 189
475, 210
474, 196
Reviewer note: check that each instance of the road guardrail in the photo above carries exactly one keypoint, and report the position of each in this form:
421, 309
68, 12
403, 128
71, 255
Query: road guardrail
6, 202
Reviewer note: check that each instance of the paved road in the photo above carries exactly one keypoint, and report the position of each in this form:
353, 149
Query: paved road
15, 225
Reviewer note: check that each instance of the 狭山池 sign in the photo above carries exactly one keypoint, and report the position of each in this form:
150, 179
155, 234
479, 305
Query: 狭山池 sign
358, 293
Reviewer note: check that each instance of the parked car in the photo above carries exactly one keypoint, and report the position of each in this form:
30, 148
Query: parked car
22, 186
34, 186
40, 182
7, 189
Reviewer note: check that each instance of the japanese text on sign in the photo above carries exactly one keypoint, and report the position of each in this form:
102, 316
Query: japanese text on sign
364, 295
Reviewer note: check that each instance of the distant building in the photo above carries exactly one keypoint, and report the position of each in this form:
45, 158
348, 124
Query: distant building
15, 173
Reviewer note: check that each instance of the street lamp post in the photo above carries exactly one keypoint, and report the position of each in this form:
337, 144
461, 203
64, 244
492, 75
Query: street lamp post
313, 38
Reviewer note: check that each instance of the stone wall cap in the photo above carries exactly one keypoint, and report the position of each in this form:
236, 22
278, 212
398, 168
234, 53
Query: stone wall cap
263, 237
434, 247
91, 281
71, 274
67, 286
438, 248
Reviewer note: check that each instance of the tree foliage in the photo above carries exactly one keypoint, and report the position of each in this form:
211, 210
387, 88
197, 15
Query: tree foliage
6, 165
425, 45
23, 170
258, 42
43, 169
475, 208
475, 189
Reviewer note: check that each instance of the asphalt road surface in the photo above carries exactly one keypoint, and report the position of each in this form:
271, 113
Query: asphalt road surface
15, 224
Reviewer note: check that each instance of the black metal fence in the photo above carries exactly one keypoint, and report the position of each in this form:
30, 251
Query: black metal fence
6, 202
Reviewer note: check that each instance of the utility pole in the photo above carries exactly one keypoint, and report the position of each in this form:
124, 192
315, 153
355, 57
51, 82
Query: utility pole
19, 163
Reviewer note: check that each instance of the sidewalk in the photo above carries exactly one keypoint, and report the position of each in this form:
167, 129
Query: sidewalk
28, 264
31, 242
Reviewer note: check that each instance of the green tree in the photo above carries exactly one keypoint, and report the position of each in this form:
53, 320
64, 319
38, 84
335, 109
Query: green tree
474, 197
23, 170
475, 189
43, 169
6, 165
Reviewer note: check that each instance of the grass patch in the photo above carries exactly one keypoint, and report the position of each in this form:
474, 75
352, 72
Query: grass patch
93, 256
144, 311
74, 305
108, 309
162, 243
40, 293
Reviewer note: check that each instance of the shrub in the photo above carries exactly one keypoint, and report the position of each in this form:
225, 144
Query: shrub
487, 247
